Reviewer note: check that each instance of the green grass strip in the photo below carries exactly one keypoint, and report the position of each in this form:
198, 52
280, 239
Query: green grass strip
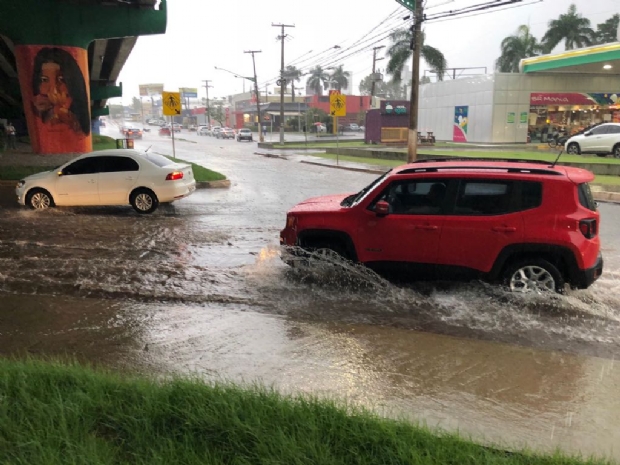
328, 143
103, 142
201, 174
52, 413
380, 162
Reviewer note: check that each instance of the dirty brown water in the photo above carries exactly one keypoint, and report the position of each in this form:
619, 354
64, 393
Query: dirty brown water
199, 287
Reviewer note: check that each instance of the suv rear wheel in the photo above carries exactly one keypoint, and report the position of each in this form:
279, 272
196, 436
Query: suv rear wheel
533, 275
616, 151
573, 149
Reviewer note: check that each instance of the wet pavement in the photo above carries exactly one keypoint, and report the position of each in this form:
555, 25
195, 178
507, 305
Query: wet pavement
198, 287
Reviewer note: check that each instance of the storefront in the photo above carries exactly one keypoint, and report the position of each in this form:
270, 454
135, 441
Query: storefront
563, 92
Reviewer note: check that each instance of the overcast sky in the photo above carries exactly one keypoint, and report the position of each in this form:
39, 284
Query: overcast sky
203, 34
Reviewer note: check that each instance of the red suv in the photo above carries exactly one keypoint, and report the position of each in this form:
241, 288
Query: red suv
524, 223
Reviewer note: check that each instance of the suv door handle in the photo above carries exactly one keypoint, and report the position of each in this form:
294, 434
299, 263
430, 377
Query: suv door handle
427, 227
504, 228
129, 178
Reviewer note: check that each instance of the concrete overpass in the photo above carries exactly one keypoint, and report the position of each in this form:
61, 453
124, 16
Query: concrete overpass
103, 31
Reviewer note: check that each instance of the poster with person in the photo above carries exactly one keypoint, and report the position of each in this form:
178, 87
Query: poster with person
56, 98
461, 122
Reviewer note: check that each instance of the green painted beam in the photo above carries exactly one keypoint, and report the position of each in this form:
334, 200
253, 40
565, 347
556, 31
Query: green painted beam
97, 112
54, 22
105, 92
572, 61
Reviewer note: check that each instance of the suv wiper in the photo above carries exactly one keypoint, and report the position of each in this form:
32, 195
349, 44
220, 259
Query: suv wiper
348, 200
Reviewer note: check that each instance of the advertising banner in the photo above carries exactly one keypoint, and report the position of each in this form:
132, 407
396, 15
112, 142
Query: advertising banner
148, 90
188, 92
56, 97
574, 98
510, 118
461, 120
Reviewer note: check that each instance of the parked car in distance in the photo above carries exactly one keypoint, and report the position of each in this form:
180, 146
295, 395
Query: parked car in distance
528, 225
109, 177
226, 133
193, 127
214, 130
177, 127
244, 134
203, 130
602, 140
352, 127
165, 131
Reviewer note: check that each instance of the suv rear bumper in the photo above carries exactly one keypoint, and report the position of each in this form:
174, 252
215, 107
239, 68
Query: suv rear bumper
584, 278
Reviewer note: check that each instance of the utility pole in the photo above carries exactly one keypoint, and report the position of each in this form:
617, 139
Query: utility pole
412, 146
374, 62
282, 82
261, 138
208, 109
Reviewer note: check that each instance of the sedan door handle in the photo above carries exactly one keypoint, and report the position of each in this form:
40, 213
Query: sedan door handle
504, 228
427, 227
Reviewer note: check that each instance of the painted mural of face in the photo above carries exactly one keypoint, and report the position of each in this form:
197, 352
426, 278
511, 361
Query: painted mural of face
53, 92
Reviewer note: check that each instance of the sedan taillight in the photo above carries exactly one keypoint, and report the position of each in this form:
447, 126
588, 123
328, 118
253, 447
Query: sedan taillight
174, 176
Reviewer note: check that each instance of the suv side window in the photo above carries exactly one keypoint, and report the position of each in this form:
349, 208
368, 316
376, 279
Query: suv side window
84, 166
416, 197
585, 197
480, 197
613, 130
113, 164
531, 195
597, 131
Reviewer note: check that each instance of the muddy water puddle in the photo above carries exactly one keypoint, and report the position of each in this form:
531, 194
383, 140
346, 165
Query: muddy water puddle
202, 289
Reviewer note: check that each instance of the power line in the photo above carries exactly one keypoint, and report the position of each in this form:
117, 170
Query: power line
472, 14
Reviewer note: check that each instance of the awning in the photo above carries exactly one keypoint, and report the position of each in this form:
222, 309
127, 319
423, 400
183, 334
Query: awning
600, 60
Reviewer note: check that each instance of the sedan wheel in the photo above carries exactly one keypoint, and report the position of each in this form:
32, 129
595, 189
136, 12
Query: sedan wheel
144, 201
535, 275
573, 149
39, 199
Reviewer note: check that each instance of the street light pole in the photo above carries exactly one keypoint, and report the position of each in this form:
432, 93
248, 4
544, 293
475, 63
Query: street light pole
261, 138
208, 109
282, 82
374, 62
412, 145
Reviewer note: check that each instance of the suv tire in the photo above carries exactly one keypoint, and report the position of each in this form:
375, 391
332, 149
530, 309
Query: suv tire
616, 151
533, 275
573, 149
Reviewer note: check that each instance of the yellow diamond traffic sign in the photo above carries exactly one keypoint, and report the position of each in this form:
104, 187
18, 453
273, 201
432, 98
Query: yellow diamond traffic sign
172, 103
337, 104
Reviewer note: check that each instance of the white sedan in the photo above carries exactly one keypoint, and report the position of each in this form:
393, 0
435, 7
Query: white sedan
109, 177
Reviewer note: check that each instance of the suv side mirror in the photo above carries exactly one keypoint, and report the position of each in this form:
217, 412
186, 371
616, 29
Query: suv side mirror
587, 133
382, 208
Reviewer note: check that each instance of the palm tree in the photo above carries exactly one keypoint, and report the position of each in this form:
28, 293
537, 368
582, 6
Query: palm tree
292, 74
572, 28
607, 32
339, 78
400, 52
516, 47
318, 80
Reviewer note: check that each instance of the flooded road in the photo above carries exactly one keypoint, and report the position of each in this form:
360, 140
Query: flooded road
199, 287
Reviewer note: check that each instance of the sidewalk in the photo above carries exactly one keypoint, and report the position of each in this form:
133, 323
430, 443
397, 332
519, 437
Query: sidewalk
599, 191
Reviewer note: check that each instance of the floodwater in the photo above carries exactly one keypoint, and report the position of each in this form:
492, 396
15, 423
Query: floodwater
199, 287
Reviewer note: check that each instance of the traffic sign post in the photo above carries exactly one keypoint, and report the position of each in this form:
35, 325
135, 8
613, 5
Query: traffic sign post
337, 107
172, 107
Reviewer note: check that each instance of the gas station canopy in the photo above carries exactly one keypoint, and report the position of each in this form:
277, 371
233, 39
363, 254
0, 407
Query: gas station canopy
600, 60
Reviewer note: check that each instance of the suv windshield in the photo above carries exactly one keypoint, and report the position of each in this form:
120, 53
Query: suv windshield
354, 198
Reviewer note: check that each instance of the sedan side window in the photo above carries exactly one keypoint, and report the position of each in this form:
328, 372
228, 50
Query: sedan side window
118, 164
84, 166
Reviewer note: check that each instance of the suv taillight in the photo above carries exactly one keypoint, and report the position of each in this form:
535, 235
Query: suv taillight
174, 176
588, 228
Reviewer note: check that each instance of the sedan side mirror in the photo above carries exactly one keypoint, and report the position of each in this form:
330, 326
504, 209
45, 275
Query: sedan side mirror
382, 208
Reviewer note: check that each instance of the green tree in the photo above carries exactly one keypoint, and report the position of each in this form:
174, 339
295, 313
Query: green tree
292, 74
607, 32
517, 47
400, 53
316, 115
392, 89
318, 80
217, 113
339, 78
572, 28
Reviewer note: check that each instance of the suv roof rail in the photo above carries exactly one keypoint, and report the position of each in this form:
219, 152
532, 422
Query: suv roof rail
511, 160
475, 167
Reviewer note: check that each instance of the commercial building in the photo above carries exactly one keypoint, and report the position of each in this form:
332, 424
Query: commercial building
567, 91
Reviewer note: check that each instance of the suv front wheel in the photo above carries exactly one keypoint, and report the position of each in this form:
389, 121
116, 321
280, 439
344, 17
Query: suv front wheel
534, 275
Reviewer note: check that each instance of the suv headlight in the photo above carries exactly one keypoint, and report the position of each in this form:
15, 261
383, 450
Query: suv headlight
21, 183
